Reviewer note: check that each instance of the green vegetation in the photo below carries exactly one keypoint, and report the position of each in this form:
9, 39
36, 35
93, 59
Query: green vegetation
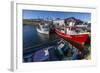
35, 21
31, 21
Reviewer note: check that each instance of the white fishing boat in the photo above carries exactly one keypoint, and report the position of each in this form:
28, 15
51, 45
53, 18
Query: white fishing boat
43, 28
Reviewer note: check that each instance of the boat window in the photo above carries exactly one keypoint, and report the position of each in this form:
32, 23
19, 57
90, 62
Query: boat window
57, 24
46, 26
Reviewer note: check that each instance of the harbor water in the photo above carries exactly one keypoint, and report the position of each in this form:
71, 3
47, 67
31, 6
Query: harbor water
32, 38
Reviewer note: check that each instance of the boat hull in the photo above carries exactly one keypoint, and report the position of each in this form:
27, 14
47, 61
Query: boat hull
42, 32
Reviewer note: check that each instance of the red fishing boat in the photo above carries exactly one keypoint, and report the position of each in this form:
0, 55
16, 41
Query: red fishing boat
68, 30
78, 38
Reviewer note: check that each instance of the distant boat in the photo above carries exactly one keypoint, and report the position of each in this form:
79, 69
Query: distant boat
43, 28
